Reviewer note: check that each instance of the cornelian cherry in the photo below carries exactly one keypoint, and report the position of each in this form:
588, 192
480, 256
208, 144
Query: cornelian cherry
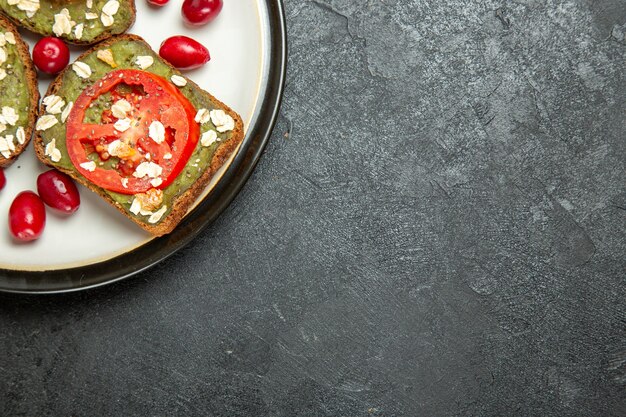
58, 191
27, 216
184, 53
158, 3
200, 12
51, 55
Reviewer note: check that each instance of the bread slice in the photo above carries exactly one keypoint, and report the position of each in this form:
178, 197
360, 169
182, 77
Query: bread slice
19, 93
179, 196
80, 22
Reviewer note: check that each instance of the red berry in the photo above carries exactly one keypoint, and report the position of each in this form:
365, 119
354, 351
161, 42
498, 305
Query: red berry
184, 53
27, 216
3, 179
158, 3
58, 191
51, 55
201, 12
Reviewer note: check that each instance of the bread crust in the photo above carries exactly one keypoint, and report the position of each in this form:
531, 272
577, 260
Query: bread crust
181, 203
30, 76
104, 35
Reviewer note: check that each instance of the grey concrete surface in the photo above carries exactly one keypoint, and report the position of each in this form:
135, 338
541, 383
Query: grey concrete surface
437, 228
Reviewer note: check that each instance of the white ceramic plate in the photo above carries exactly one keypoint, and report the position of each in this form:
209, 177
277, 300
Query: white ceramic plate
247, 49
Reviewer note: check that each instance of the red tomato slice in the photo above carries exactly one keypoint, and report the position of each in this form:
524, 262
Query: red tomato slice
152, 99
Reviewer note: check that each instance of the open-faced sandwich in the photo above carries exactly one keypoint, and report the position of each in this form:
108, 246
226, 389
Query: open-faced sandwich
19, 94
82, 22
127, 125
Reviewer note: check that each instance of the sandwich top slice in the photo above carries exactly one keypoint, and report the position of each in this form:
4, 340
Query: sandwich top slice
127, 125
19, 94
82, 22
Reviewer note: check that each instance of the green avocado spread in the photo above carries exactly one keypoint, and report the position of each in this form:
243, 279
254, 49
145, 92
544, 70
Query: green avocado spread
125, 54
85, 20
14, 91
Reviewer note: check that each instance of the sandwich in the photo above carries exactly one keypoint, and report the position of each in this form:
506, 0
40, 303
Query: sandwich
19, 94
81, 22
128, 126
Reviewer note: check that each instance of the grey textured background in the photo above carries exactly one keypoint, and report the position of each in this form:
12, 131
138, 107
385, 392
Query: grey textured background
437, 228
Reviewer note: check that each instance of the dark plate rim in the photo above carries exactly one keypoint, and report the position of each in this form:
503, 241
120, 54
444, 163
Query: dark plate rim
155, 251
